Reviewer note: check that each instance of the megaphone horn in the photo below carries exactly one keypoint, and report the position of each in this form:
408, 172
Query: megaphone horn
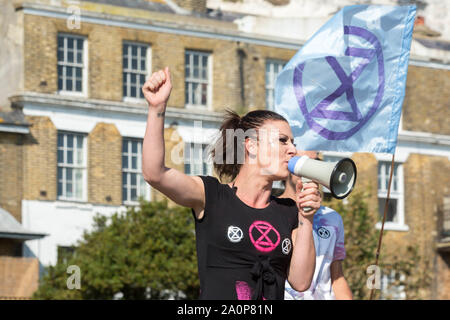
339, 177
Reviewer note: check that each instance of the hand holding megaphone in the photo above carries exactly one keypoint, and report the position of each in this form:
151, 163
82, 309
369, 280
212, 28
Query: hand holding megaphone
339, 177
307, 197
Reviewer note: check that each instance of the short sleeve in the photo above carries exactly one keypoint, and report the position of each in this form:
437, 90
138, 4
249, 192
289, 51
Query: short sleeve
211, 185
339, 250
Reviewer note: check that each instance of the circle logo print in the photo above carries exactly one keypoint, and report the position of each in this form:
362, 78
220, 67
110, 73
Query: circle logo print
369, 49
264, 236
323, 233
235, 234
286, 246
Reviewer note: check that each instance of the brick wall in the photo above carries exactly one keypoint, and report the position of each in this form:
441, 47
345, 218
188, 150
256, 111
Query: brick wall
40, 161
105, 62
11, 173
19, 277
424, 189
193, 5
105, 165
427, 102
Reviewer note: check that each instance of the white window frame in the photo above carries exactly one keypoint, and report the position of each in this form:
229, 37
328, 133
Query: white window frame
138, 171
146, 72
74, 166
193, 147
84, 66
398, 195
389, 291
208, 82
272, 77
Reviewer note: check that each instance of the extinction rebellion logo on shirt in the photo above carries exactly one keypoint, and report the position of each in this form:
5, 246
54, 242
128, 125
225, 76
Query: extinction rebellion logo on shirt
323, 233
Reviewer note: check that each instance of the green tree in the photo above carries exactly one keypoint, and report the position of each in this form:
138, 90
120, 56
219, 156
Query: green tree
146, 253
361, 241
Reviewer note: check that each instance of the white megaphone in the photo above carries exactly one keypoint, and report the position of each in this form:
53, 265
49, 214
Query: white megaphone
339, 177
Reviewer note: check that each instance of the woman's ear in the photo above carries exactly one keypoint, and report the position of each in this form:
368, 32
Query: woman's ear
251, 147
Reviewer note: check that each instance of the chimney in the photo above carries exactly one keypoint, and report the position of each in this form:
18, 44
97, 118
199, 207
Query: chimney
198, 6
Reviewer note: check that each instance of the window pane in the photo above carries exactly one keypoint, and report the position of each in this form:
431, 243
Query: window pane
133, 194
134, 147
391, 215
204, 94
60, 190
60, 173
80, 156
134, 64
133, 91
60, 55
124, 179
70, 43
60, 140
187, 93
143, 187
79, 184
124, 195
70, 56
69, 190
188, 67
69, 85
195, 93
133, 179
60, 42
125, 146
124, 162
133, 162
60, 156
134, 50
78, 86
196, 71
70, 156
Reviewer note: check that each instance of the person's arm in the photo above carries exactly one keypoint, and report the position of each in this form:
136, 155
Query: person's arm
303, 260
339, 284
185, 190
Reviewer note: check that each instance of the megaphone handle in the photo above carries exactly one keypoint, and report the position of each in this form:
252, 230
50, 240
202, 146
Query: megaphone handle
305, 181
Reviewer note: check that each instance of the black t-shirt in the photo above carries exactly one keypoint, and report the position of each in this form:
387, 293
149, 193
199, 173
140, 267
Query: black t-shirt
243, 252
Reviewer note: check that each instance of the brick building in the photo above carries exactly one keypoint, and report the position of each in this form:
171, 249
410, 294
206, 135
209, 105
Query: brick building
75, 69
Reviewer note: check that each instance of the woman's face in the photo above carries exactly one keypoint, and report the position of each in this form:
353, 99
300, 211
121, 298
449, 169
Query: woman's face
273, 150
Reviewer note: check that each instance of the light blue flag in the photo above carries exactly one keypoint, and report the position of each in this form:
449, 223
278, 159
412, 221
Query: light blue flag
344, 89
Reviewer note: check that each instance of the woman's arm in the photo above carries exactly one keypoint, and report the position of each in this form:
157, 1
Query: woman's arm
339, 284
185, 190
303, 261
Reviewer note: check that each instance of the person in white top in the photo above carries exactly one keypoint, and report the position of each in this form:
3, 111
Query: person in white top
328, 230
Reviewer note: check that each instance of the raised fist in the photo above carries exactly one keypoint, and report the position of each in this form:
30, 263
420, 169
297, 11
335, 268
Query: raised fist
157, 88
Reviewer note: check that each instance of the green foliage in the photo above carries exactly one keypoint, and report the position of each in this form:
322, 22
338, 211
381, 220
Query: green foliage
146, 253
361, 241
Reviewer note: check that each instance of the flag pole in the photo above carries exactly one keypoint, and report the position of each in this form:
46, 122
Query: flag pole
384, 218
